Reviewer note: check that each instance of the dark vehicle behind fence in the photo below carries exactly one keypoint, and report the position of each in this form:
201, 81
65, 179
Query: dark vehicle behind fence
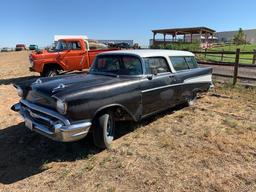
121, 85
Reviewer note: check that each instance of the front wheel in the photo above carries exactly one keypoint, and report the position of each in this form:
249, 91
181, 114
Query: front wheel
51, 72
104, 130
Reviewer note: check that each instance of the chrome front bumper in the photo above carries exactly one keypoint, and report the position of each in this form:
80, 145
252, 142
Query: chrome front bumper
50, 123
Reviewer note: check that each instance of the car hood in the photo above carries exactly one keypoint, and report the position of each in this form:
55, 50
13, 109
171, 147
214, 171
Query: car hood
63, 85
41, 54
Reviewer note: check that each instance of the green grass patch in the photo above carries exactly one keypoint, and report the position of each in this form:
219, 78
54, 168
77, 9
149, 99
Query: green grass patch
232, 47
244, 58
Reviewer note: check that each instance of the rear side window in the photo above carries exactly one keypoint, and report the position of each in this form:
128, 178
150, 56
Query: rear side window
191, 61
179, 63
159, 63
183, 63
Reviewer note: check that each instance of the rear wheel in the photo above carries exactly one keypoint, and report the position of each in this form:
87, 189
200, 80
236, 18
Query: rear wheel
104, 130
192, 99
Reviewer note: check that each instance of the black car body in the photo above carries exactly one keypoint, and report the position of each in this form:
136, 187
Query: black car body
121, 85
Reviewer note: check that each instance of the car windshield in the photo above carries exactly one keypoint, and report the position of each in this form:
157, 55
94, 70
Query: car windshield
117, 65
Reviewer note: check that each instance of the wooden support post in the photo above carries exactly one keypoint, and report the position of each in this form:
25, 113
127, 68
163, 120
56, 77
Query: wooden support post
164, 40
205, 51
191, 38
200, 38
236, 66
154, 38
254, 57
222, 55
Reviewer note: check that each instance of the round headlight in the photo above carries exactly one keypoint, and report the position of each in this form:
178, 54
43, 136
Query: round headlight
20, 91
61, 106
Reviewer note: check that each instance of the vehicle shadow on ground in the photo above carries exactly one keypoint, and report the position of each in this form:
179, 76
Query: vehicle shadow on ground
16, 80
24, 153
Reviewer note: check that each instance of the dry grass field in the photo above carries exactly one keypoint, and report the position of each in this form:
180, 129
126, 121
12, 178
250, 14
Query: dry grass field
210, 146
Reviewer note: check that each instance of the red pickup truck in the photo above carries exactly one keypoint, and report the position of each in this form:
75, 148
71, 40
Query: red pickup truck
68, 55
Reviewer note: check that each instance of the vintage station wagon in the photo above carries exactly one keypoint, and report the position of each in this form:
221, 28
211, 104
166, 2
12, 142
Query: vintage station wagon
121, 85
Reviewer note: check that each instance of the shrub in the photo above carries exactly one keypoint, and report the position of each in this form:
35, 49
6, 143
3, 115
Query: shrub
240, 37
179, 46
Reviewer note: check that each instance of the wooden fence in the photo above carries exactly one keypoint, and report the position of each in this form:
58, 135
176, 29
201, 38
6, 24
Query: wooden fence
221, 55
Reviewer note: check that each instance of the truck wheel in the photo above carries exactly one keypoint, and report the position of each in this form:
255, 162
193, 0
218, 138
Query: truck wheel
51, 72
104, 130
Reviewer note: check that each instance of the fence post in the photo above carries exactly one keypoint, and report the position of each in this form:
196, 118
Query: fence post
254, 57
222, 55
205, 51
236, 66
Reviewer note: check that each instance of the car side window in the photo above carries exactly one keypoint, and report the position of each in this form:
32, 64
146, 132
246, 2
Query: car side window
74, 45
158, 63
179, 63
132, 66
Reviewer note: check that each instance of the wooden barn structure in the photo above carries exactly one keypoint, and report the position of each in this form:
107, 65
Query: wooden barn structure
188, 34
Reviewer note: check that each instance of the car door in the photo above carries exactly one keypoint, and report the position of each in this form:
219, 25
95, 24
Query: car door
74, 56
185, 68
158, 90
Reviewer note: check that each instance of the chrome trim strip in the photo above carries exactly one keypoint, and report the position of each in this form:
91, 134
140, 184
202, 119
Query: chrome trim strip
81, 133
76, 126
45, 111
34, 115
162, 87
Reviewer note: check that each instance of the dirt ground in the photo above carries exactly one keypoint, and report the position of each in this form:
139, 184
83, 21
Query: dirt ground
210, 146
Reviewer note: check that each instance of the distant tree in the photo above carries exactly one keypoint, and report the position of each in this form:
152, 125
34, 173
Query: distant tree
240, 37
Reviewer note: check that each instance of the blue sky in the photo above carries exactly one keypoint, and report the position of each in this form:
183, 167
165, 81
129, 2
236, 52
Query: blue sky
37, 21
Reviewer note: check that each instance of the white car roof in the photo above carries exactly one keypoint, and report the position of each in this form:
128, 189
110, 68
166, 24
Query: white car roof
151, 52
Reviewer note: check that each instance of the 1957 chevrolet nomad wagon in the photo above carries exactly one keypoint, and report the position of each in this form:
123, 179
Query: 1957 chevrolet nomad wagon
121, 85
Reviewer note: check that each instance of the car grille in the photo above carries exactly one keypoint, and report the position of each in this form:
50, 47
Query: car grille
40, 118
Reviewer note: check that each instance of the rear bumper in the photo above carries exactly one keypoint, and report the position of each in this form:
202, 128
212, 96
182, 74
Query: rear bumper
50, 123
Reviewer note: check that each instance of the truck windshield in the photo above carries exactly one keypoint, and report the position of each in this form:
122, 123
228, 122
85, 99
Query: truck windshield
61, 45
117, 65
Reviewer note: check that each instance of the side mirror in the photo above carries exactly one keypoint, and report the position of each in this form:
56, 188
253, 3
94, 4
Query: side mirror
150, 76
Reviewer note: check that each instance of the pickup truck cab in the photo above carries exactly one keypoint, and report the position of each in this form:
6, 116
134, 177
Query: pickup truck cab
121, 85
68, 55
